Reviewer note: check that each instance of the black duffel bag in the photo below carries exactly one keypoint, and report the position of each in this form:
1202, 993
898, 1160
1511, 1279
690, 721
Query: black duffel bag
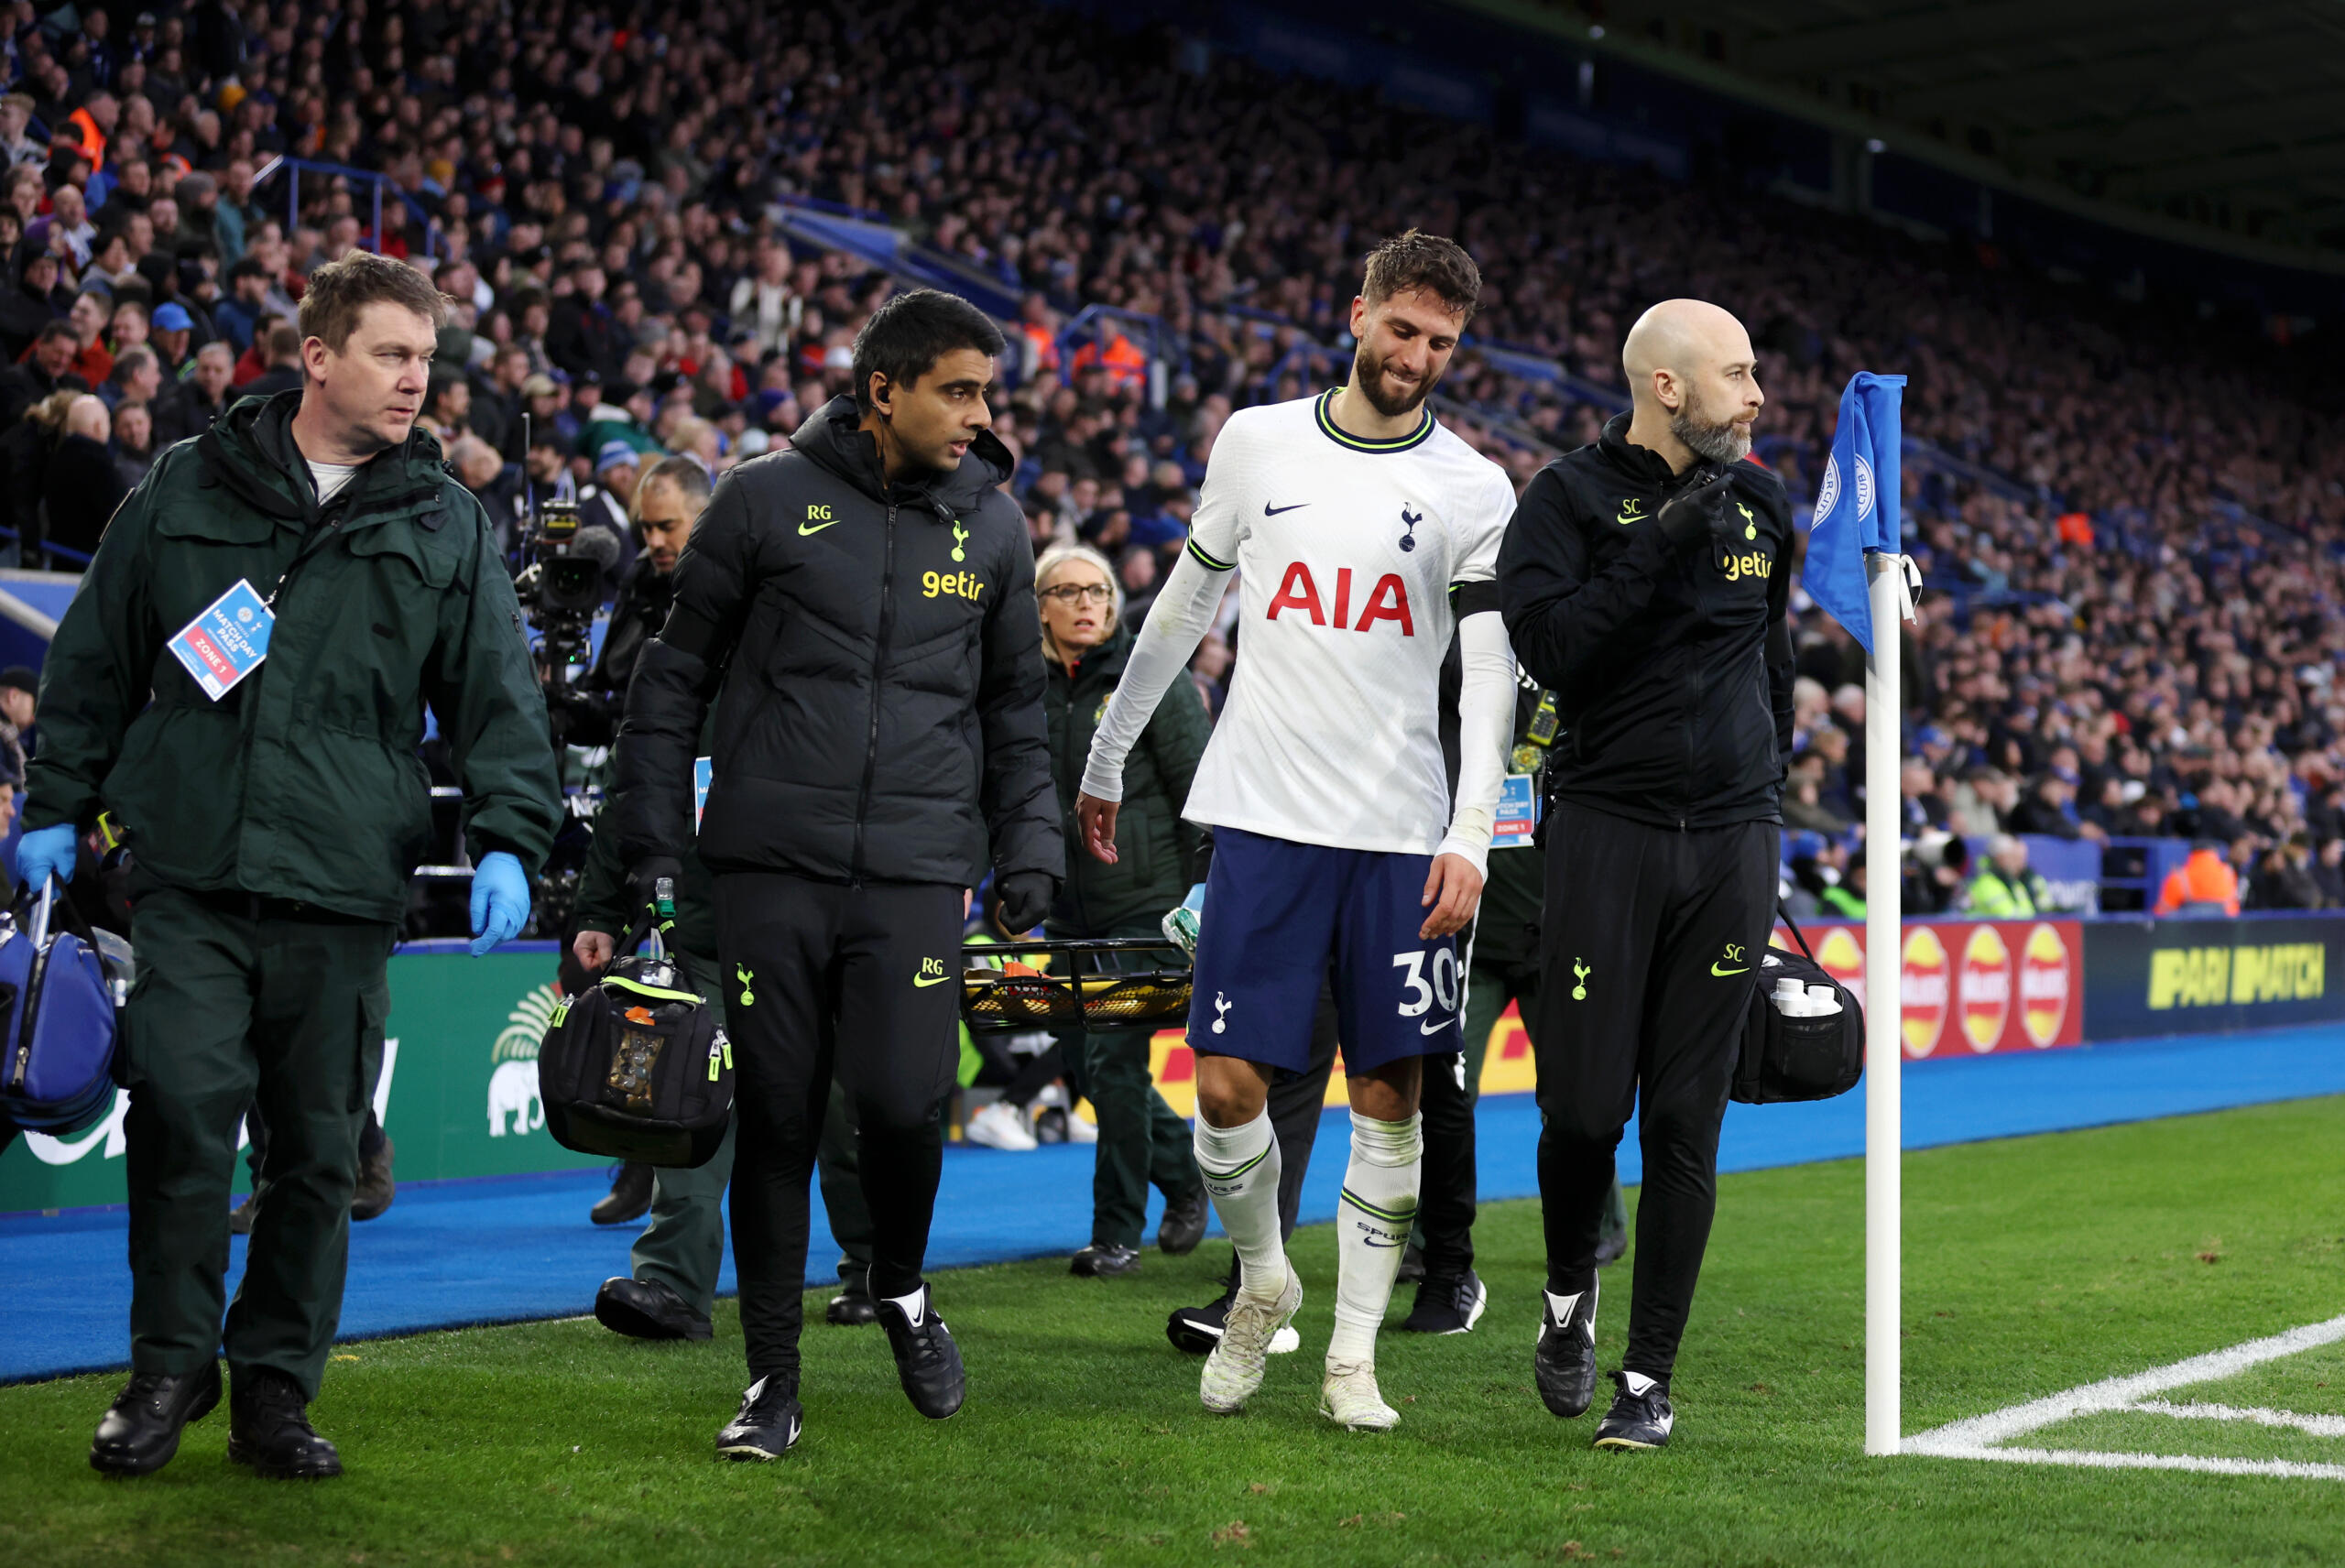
634, 1067
1787, 1058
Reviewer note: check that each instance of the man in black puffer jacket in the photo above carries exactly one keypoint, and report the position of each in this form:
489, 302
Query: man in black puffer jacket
861, 609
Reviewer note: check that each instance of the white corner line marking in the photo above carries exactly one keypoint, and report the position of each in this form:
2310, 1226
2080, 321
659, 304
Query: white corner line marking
2093, 1459
2320, 1426
1981, 1437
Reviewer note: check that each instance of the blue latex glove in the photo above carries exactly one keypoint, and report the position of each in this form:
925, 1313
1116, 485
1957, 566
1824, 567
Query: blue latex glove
46, 852
500, 900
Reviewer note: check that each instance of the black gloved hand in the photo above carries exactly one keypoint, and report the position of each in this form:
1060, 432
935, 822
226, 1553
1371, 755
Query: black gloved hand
643, 879
1697, 514
1026, 897
579, 701
580, 717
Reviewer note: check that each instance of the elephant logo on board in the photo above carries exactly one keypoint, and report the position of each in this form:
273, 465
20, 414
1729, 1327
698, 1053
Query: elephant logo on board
513, 1096
513, 1101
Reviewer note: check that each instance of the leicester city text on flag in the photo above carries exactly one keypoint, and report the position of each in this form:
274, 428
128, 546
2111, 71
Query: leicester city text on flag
1856, 508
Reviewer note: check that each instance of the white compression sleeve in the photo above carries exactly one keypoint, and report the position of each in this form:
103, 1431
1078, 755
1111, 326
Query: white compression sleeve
1485, 720
1176, 625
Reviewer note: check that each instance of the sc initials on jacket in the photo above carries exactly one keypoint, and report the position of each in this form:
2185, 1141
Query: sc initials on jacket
1387, 601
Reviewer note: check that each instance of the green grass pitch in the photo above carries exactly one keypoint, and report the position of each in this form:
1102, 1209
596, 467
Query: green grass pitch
2032, 1265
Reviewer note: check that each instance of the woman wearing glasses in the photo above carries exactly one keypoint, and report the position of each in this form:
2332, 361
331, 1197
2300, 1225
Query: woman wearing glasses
1142, 1141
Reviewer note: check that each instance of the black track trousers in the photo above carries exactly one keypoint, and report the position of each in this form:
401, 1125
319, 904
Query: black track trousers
818, 977
1648, 953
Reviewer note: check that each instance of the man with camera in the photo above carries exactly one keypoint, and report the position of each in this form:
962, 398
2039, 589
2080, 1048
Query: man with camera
861, 610
1645, 581
239, 689
667, 501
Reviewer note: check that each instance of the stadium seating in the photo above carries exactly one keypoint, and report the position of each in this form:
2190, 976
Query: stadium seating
2129, 517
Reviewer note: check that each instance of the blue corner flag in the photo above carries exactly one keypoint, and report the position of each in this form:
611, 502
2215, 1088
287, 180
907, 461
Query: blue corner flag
1856, 510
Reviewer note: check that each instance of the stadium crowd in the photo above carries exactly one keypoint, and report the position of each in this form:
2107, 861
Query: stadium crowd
2134, 536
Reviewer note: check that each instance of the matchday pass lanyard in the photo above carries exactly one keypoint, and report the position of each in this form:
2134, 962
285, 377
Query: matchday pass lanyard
229, 638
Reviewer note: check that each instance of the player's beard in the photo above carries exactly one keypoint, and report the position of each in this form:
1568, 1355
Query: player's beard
1721, 442
1368, 375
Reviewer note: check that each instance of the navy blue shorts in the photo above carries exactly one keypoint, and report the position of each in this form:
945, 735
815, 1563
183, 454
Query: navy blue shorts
1278, 912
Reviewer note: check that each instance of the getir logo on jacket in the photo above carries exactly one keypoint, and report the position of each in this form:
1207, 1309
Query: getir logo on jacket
963, 584
1752, 563
1387, 601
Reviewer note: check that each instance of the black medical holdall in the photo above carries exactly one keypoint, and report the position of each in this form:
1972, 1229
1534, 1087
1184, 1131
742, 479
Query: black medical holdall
634, 1066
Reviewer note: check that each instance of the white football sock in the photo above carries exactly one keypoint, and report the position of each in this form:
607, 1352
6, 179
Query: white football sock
1241, 1172
1373, 1222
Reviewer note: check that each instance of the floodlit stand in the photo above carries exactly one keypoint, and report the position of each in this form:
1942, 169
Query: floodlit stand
1885, 1058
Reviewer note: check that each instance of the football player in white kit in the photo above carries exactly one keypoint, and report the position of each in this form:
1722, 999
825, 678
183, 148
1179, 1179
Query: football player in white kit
1364, 533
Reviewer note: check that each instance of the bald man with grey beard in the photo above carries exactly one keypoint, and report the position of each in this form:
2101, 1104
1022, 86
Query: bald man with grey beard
1644, 581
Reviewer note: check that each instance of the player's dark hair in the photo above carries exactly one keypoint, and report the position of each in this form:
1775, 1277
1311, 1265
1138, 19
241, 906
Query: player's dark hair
905, 338
1418, 260
691, 480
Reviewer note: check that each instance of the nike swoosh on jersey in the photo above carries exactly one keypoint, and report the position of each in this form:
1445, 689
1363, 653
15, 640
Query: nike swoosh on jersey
804, 530
919, 984
1435, 1029
1723, 973
1624, 519
1271, 511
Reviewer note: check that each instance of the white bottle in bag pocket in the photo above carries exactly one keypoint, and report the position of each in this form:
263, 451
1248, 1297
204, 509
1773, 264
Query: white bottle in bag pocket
1823, 1001
1791, 998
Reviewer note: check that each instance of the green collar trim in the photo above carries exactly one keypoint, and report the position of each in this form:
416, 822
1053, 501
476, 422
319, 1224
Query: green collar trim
1324, 412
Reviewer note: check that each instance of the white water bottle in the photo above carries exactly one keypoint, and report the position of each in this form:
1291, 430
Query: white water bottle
1823, 1001
1791, 998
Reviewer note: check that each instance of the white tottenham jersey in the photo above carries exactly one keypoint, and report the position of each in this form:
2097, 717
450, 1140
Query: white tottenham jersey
1347, 551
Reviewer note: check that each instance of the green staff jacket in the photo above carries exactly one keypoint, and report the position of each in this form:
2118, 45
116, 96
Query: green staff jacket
1159, 854
302, 781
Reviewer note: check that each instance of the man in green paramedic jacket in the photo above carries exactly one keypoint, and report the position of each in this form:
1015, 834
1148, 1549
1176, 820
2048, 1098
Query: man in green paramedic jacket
274, 811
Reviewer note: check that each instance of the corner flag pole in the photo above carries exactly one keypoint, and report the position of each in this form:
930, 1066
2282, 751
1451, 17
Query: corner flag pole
1857, 573
1885, 962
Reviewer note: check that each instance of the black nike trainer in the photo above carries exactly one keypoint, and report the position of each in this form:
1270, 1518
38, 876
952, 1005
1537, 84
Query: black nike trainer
1194, 1330
769, 1424
1448, 1305
1637, 1419
1565, 1362
928, 1362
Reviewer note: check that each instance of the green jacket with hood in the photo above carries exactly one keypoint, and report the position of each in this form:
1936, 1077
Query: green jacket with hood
302, 781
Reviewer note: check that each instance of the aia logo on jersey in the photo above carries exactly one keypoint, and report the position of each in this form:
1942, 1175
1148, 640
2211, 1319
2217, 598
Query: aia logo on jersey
1387, 601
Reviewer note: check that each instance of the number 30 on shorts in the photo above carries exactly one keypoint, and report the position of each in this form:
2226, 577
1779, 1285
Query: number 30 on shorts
1421, 992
